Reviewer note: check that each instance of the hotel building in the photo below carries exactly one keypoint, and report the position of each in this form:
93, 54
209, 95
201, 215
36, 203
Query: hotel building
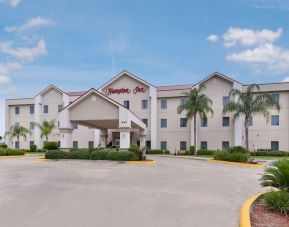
128, 110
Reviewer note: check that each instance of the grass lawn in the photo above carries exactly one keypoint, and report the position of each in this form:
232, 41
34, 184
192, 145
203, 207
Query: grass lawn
28, 152
253, 157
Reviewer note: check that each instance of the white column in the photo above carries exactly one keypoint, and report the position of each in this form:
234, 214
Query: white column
37, 119
153, 120
66, 139
124, 138
103, 138
96, 138
142, 138
237, 122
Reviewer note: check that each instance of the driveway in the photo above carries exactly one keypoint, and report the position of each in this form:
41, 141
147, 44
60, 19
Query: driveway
172, 192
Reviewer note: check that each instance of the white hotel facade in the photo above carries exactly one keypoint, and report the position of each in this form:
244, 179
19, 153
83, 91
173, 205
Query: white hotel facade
128, 110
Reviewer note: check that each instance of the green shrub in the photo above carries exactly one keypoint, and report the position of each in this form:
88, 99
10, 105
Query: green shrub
192, 150
15, 152
155, 151
2, 145
270, 153
237, 149
53, 145
33, 148
206, 152
99, 155
3, 152
277, 201
277, 175
220, 155
166, 152
231, 157
121, 156
41, 150
56, 154
79, 154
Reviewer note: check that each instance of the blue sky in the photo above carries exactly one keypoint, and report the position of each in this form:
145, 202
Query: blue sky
77, 45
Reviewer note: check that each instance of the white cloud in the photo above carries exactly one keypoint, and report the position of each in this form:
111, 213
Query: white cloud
13, 3
286, 79
212, 38
248, 37
26, 54
31, 23
267, 56
4, 79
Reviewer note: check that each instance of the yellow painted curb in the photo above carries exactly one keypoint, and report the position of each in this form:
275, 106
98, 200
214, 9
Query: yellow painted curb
142, 162
13, 156
246, 209
237, 163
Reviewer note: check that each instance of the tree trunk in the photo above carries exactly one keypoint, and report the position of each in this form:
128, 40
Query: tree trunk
46, 138
246, 134
195, 135
18, 140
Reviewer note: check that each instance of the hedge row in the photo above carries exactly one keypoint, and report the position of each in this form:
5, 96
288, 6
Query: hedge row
231, 157
157, 151
270, 153
93, 155
11, 152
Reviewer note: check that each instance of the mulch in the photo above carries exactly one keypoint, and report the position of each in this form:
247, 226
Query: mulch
262, 217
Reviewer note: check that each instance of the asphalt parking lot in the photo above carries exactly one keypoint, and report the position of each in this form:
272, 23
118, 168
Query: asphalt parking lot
172, 192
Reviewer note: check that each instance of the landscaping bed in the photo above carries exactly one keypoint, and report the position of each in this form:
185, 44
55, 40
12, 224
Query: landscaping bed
261, 217
11, 152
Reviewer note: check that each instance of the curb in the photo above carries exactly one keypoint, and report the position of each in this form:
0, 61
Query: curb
148, 162
246, 209
237, 163
13, 156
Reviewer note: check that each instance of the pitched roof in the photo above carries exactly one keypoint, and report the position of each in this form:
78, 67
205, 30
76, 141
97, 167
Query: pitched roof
174, 87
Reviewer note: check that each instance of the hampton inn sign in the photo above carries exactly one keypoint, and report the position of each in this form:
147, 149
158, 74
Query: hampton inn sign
119, 91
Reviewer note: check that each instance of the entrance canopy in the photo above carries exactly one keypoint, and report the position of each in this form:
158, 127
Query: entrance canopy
94, 109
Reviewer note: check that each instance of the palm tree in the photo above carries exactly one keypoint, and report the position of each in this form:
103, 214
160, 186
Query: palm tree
18, 131
197, 103
46, 128
248, 104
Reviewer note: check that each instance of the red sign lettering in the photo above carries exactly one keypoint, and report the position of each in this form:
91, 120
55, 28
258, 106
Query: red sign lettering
118, 91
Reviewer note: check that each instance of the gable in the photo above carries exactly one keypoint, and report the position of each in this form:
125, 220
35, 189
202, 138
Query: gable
94, 107
51, 96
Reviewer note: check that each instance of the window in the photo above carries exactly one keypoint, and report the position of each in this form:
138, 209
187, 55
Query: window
226, 121
225, 144
74, 125
58, 124
45, 109
163, 145
32, 109
31, 143
204, 122
164, 104
183, 101
148, 144
275, 145
31, 126
145, 121
204, 145
226, 99
75, 144
60, 107
250, 121
183, 145
17, 145
183, 122
17, 110
126, 104
275, 120
90, 144
144, 104
164, 123
17, 124
276, 97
